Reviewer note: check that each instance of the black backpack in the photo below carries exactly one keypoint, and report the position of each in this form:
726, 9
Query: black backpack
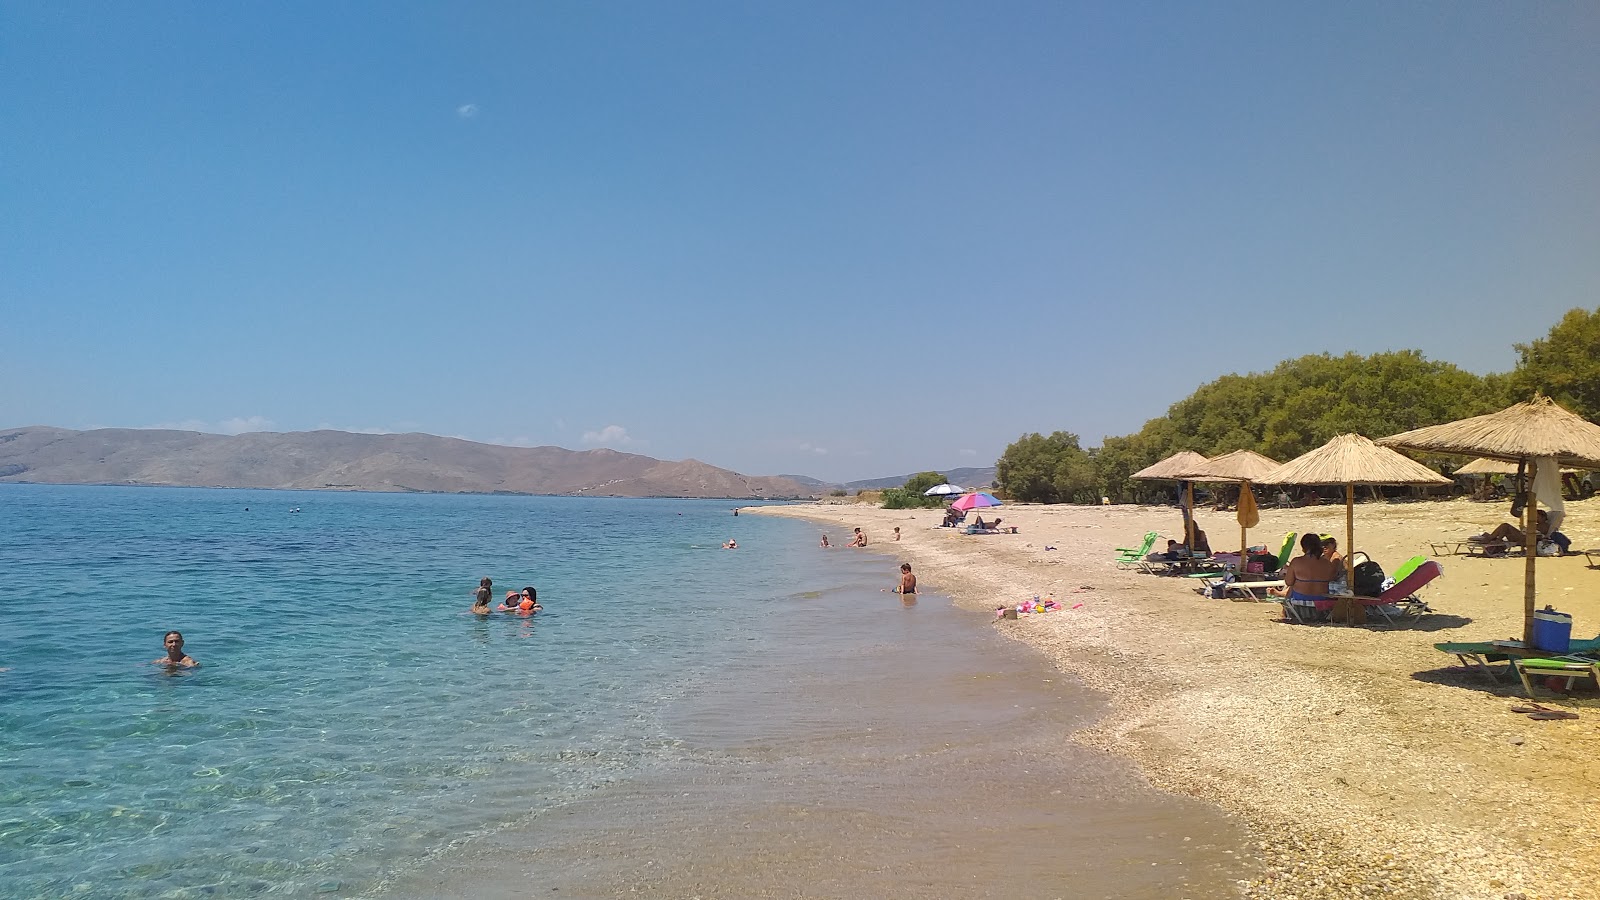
1368, 579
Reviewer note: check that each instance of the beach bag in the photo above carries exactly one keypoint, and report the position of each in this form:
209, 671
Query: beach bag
1265, 563
1369, 579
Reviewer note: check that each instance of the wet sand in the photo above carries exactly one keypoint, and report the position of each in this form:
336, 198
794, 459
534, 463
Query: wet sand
881, 751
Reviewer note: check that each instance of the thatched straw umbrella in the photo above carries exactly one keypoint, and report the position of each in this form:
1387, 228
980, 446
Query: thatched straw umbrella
1351, 459
1177, 468
1527, 432
1481, 466
1242, 466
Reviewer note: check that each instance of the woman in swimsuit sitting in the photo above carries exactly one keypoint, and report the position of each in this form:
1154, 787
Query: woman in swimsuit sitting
1306, 577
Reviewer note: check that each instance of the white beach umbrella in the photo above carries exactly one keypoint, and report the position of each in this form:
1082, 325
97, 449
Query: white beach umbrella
942, 490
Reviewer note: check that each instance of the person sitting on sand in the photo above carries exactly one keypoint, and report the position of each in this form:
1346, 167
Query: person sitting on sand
825, 545
897, 532
859, 540
1307, 576
175, 658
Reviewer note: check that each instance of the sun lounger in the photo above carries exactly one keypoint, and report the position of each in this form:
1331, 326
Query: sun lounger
1400, 602
1590, 556
1481, 655
973, 529
1135, 558
1572, 668
1235, 590
1306, 611
1492, 549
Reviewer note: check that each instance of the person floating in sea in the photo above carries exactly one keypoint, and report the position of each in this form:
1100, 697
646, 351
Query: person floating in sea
511, 603
480, 597
529, 603
825, 545
175, 658
730, 544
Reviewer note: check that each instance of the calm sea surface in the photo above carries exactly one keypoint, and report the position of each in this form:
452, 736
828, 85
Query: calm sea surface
353, 727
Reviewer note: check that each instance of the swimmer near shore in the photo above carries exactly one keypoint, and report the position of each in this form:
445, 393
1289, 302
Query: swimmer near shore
175, 658
525, 602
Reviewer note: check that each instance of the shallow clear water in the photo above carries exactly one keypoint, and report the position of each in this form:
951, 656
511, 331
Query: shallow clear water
348, 712
753, 715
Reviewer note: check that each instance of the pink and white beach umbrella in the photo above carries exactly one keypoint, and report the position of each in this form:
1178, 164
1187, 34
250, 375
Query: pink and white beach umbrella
975, 500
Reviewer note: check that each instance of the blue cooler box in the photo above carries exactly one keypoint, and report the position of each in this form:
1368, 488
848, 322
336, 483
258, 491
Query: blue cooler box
1552, 631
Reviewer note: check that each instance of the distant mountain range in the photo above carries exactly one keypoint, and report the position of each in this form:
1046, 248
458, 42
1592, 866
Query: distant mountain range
981, 477
337, 460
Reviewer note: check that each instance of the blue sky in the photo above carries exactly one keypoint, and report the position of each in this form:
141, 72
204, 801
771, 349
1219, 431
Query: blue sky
838, 239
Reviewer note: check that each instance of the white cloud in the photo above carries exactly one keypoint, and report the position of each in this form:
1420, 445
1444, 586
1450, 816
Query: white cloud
467, 110
808, 447
235, 425
609, 436
968, 452
368, 430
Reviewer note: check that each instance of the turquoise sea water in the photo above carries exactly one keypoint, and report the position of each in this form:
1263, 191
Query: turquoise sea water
681, 720
349, 715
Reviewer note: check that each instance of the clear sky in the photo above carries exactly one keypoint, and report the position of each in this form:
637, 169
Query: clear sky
836, 239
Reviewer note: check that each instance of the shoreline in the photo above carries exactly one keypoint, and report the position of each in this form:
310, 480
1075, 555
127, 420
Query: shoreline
1362, 761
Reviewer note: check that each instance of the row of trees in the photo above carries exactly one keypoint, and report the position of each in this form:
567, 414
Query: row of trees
1300, 405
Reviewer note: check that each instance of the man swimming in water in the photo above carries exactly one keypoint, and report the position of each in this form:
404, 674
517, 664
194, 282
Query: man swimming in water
175, 658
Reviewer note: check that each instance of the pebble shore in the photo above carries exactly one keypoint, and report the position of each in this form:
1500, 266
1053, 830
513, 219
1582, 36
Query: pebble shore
1364, 762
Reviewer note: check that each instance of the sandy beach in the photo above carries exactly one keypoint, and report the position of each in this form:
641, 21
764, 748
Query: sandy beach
1364, 762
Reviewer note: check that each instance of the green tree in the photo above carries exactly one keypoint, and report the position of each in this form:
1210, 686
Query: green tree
921, 481
910, 496
1564, 365
1052, 469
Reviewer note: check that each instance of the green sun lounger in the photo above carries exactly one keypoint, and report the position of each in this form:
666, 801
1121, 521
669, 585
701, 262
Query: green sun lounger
1481, 655
1571, 668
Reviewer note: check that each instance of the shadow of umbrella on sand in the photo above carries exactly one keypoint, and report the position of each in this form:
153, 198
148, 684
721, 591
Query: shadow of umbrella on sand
1538, 434
1351, 459
1244, 467
1177, 468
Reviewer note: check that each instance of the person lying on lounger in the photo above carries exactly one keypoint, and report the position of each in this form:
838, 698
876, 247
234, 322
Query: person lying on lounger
1507, 534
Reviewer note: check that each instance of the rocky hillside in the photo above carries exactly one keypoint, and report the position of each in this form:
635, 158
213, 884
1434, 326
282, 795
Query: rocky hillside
337, 460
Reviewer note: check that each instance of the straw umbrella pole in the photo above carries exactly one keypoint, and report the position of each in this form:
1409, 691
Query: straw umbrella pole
1351, 459
1526, 432
1176, 468
1242, 466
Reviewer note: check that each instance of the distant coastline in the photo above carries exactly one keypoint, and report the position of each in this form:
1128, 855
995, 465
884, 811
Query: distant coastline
382, 463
